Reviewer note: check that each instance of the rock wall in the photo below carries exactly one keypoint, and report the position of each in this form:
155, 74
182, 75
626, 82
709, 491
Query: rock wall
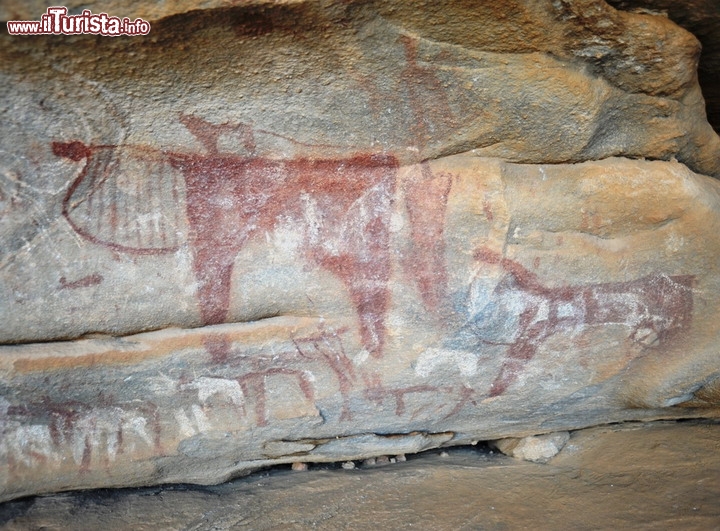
626, 466
702, 18
321, 231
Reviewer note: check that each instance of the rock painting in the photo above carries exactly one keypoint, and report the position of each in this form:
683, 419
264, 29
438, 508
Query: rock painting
339, 210
327, 346
243, 382
255, 373
420, 83
92, 434
522, 313
84, 282
426, 196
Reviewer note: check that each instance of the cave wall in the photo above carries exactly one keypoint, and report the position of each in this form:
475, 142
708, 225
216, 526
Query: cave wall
321, 231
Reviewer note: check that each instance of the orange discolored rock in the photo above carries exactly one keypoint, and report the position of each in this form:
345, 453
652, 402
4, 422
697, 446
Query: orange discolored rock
292, 232
546, 315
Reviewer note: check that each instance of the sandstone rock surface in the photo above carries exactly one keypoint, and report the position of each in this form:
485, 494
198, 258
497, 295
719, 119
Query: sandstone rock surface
492, 312
656, 476
290, 232
702, 19
529, 82
535, 448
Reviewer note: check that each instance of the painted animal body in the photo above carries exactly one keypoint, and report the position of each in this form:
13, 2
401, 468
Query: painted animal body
339, 207
655, 308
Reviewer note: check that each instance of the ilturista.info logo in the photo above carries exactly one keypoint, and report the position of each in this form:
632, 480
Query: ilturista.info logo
56, 21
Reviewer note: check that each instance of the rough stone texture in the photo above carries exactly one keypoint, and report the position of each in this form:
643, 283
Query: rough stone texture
29, 9
529, 82
501, 314
702, 19
535, 448
296, 197
660, 476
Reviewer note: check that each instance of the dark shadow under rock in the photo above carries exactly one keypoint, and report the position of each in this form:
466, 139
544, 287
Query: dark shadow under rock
639, 476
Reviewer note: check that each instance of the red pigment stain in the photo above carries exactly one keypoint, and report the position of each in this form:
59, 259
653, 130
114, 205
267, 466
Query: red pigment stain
426, 196
340, 207
465, 397
426, 199
376, 392
655, 304
325, 347
218, 346
422, 85
75, 151
254, 384
75, 424
63, 417
231, 199
95, 193
329, 348
84, 282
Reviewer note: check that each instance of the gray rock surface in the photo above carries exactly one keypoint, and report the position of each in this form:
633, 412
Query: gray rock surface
504, 317
535, 448
702, 19
291, 232
656, 476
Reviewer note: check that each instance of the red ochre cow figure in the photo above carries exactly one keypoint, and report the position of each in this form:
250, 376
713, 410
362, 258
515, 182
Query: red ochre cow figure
656, 308
126, 196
